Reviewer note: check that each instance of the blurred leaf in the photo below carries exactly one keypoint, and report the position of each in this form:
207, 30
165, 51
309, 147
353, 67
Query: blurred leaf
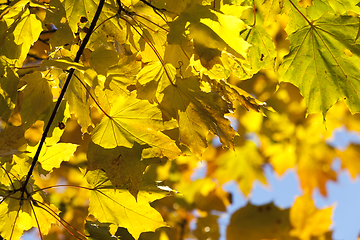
349, 159
307, 220
243, 165
259, 222
207, 228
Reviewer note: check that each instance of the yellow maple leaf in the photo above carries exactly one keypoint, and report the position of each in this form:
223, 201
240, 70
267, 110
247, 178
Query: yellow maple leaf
307, 220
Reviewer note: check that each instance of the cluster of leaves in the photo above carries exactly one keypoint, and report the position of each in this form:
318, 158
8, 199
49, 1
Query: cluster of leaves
101, 101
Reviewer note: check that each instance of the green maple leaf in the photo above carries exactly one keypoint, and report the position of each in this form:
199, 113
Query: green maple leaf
262, 53
345, 5
120, 208
269, 9
323, 62
133, 120
198, 113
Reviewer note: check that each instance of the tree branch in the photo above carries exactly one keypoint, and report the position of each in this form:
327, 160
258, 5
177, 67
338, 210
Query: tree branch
61, 96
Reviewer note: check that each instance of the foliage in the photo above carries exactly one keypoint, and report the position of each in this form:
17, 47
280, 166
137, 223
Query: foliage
107, 106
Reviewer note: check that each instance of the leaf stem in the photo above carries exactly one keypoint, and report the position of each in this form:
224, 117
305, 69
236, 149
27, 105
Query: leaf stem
254, 9
66, 185
300, 13
61, 96
93, 98
64, 223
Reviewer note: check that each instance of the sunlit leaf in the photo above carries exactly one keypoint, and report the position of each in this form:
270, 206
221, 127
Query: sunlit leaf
322, 63
153, 79
120, 207
17, 216
56, 154
270, 8
24, 29
262, 53
132, 120
210, 29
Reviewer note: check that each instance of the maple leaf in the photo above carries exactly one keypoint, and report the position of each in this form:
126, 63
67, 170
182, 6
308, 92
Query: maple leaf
120, 208
314, 167
77, 9
349, 159
153, 79
233, 93
343, 6
101, 59
23, 28
37, 97
8, 93
124, 166
197, 113
79, 101
54, 155
269, 9
11, 139
209, 28
322, 62
259, 222
307, 220
133, 120
243, 165
261, 54
16, 217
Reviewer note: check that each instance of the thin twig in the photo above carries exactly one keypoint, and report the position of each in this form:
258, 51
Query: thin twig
61, 96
